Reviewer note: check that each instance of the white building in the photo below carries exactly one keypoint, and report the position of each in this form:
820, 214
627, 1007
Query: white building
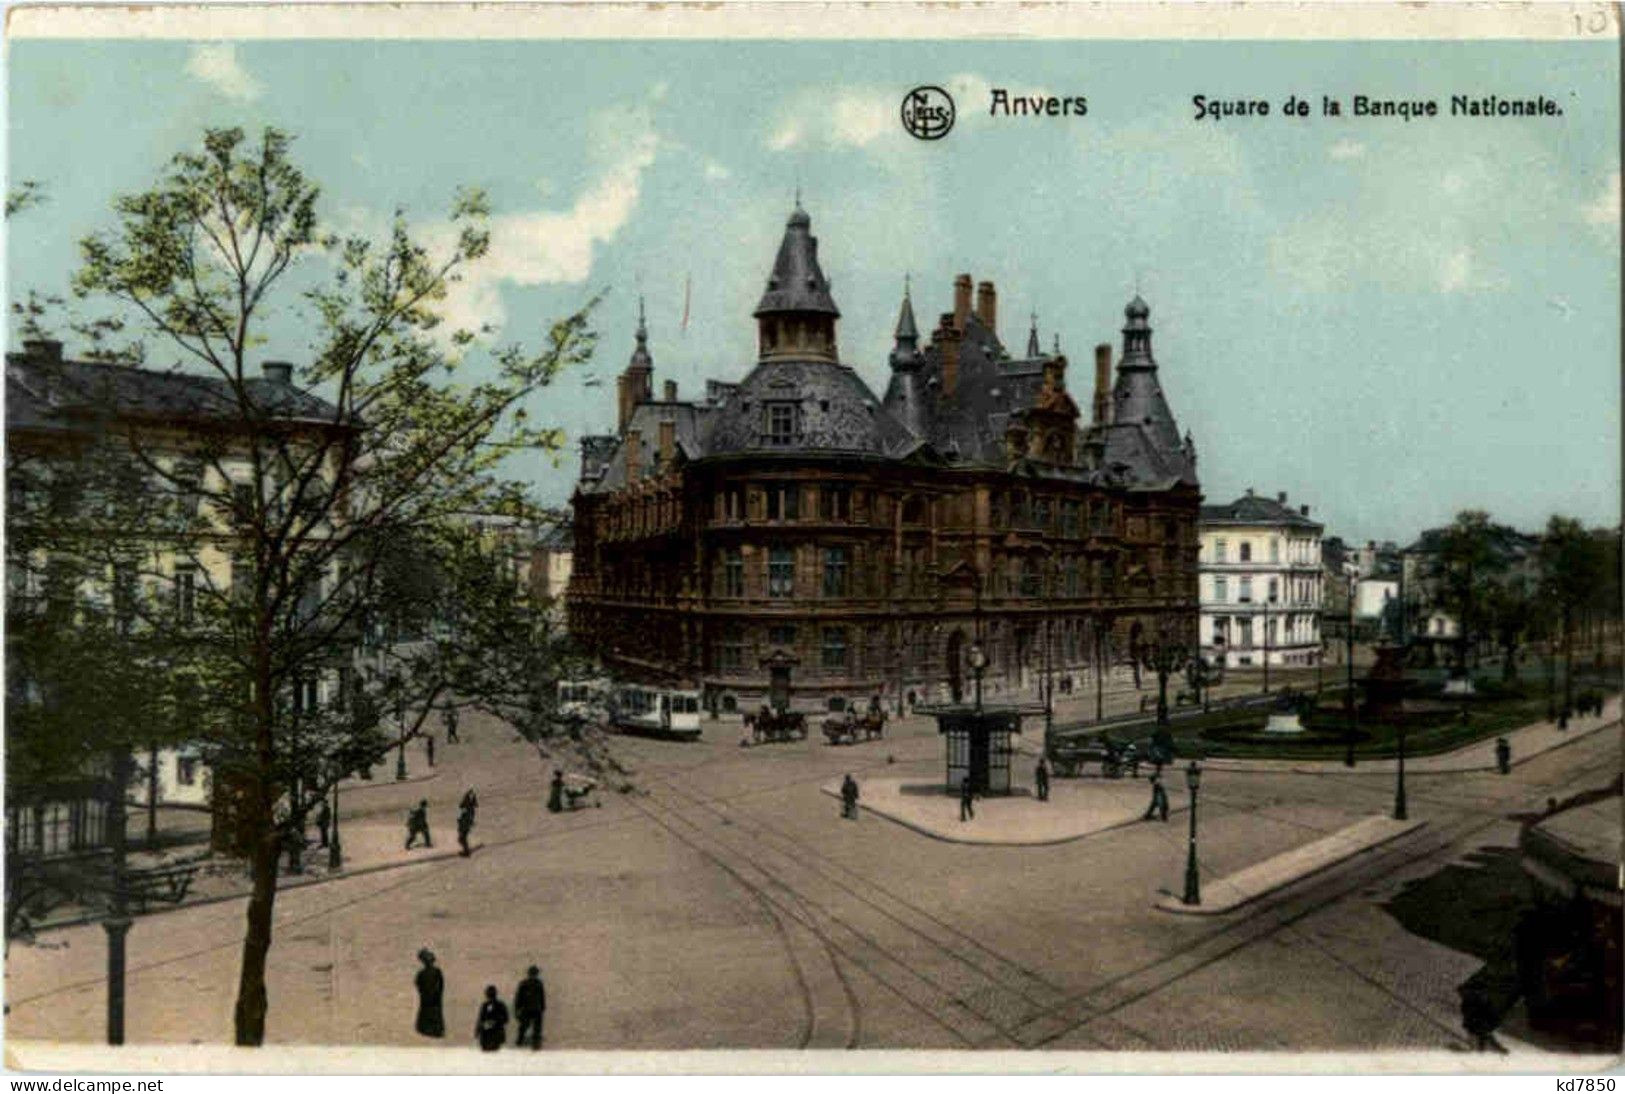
1372, 595
1260, 583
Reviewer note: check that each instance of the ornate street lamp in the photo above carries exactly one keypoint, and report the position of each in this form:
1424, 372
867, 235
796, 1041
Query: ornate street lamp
978, 664
1193, 885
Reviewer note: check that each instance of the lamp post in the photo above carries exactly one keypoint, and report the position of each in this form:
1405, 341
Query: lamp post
335, 856
1351, 713
1399, 785
117, 923
1266, 647
1100, 669
400, 733
978, 663
1049, 690
1193, 884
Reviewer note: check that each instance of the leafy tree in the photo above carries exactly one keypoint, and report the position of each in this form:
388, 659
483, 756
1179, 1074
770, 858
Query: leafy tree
1166, 654
312, 501
1570, 571
1512, 614
1466, 566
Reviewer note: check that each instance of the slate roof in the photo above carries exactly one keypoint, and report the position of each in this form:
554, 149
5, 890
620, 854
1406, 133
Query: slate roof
47, 395
796, 283
1254, 509
646, 419
836, 413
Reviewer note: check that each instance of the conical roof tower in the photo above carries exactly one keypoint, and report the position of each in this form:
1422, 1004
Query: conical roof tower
796, 316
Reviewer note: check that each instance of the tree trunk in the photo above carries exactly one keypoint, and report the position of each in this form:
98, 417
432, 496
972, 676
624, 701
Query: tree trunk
252, 1002
1509, 664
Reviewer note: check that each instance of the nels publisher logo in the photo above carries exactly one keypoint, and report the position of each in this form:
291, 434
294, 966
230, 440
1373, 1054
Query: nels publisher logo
928, 112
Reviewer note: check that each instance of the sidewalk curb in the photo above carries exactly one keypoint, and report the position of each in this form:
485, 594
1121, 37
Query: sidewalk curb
940, 838
1574, 736
1173, 906
284, 884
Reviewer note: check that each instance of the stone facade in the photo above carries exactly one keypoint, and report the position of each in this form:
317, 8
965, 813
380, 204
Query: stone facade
793, 538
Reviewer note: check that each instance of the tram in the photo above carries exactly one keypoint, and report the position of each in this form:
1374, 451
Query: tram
584, 699
672, 713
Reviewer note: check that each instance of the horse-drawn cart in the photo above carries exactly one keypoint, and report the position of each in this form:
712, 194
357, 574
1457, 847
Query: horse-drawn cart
767, 726
851, 730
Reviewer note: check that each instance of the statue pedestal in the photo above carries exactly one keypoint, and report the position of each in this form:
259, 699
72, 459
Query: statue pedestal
1284, 723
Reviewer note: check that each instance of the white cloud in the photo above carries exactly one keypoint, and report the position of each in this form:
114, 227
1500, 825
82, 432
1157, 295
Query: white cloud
715, 170
217, 65
1604, 210
852, 117
1346, 150
557, 246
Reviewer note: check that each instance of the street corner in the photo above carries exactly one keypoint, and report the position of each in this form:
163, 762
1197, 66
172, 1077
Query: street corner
1262, 878
1076, 808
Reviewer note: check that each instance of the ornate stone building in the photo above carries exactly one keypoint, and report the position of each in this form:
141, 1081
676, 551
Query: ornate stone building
792, 537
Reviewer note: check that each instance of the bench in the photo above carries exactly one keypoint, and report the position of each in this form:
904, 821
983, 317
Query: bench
164, 885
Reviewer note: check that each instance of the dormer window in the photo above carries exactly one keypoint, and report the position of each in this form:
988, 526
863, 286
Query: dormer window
781, 423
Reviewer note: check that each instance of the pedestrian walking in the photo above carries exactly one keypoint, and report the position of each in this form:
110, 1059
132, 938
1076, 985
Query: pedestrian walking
470, 802
1503, 755
529, 1007
465, 826
1041, 779
417, 824
1159, 797
967, 799
324, 820
849, 798
491, 1027
555, 796
449, 718
428, 747
431, 984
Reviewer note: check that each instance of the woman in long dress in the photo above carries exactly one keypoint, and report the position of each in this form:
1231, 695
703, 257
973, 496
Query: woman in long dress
431, 984
492, 1026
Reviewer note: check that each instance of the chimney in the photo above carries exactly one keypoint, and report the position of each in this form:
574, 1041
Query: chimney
961, 300
1249, 491
1281, 497
948, 339
48, 350
671, 391
278, 372
1303, 510
1103, 383
668, 439
987, 306
634, 452
623, 402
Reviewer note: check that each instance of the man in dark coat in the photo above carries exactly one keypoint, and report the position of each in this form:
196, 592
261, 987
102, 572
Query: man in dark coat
1503, 755
417, 824
1159, 797
428, 747
849, 798
465, 825
530, 1006
555, 796
470, 802
967, 799
491, 1027
431, 984
450, 719
1041, 779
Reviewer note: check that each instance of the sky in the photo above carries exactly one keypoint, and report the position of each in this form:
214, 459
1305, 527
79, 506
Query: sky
1389, 320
